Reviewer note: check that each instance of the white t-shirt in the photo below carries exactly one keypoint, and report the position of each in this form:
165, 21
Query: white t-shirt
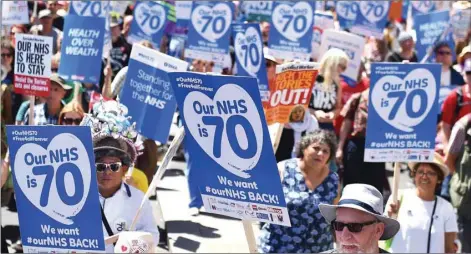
445, 79
414, 217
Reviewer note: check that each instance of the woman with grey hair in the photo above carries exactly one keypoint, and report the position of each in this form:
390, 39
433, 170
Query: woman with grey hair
307, 182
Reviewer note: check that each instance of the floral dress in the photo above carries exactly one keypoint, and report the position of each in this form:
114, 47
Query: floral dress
309, 231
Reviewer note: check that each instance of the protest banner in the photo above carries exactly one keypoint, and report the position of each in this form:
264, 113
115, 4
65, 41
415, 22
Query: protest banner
347, 12
422, 7
229, 142
290, 34
351, 44
97, 8
209, 31
148, 23
431, 28
183, 11
461, 19
257, 11
81, 50
248, 47
403, 105
14, 12
32, 64
322, 21
292, 90
371, 18
147, 91
54, 178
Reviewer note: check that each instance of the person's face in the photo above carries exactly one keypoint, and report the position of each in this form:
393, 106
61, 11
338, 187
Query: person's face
407, 45
316, 154
57, 93
52, 6
198, 66
71, 118
46, 22
7, 57
265, 31
271, 69
111, 173
115, 32
426, 178
443, 56
14, 30
209, 66
364, 241
298, 114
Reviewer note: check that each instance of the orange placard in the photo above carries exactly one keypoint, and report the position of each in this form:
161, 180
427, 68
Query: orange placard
291, 92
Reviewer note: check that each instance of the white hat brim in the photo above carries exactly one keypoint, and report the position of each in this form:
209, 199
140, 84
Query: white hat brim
391, 226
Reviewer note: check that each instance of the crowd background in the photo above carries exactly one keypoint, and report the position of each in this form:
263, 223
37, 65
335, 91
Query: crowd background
337, 159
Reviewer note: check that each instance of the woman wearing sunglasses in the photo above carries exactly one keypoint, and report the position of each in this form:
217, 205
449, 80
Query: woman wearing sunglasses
116, 149
307, 182
428, 222
71, 114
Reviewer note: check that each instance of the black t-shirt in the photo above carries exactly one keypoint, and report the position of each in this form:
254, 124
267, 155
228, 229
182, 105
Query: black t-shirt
120, 53
58, 23
324, 97
396, 58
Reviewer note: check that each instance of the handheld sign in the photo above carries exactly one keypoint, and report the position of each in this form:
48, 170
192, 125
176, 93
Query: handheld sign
351, 44
56, 189
32, 64
183, 13
209, 31
422, 7
95, 9
257, 10
371, 18
461, 19
14, 12
322, 22
291, 30
148, 23
431, 28
147, 91
228, 140
293, 87
81, 50
347, 12
402, 112
248, 47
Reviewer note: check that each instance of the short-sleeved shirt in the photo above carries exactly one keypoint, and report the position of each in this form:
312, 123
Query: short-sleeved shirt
41, 116
458, 135
356, 110
450, 104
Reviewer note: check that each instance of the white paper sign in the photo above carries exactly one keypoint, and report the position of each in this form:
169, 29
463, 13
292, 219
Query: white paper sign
14, 12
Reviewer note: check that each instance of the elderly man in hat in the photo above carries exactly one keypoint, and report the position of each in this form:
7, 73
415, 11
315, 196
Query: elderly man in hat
48, 113
357, 220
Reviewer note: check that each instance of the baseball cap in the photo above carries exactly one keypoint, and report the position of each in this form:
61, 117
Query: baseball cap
60, 81
44, 13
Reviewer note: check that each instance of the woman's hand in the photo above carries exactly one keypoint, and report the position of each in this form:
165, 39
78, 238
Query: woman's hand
321, 116
393, 209
339, 157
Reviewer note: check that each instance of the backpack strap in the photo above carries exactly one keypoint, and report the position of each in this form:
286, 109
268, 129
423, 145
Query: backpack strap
459, 103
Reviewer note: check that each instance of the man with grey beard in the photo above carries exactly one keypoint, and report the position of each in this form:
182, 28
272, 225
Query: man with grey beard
357, 220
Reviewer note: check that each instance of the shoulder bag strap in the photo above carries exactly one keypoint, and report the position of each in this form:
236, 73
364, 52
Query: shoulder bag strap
107, 225
431, 223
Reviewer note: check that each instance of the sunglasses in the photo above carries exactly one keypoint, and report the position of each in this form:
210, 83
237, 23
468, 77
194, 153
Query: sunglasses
429, 174
76, 121
101, 167
352, 227
6, 55
444, 53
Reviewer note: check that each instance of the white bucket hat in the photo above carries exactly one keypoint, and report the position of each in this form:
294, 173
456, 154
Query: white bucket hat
135, 242
365, 198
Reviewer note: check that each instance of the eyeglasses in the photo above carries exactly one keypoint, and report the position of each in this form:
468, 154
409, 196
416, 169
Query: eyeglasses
444, 52
428, 174
352, 227
101, 167
6, 55
70, 121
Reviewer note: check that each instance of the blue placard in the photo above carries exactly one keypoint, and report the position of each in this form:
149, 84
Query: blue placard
248, 47
95, 9
422, 7
429, 28
257, 10
405, 9
402, 108
229, 144
183, 12
209, 30
81, 50
372, 18
147, 92
56, 188
347, 12
149, 22
291, 30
